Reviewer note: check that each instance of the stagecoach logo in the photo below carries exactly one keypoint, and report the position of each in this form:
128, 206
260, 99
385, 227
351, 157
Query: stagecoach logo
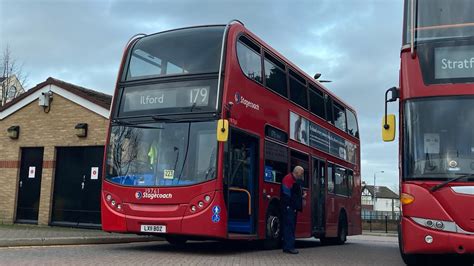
152, 194
239, 99
138, 195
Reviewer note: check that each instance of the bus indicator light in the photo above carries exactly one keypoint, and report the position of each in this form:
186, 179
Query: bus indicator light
406, 199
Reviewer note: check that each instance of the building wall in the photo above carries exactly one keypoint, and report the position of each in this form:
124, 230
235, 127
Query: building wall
387, 205
48, 130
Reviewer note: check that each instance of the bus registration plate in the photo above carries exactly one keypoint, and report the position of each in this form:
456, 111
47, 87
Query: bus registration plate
153, 228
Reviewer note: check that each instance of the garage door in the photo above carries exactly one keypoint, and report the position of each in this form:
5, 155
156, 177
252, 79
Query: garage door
77, 182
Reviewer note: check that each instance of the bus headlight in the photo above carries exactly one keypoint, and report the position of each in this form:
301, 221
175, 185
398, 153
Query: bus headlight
439, 225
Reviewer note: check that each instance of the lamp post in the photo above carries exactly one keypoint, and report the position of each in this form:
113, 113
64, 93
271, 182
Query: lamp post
375, 192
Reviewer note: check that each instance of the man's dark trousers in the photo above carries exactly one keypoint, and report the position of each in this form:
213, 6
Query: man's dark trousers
289, 224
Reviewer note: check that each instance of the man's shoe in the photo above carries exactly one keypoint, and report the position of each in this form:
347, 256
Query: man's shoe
291, 251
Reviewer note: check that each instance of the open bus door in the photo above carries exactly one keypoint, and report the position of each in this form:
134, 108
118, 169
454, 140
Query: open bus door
241, 182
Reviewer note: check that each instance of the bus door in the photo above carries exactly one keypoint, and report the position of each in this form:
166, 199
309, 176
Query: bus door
241, 181
318, 196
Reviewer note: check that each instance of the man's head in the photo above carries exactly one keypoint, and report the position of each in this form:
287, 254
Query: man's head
298, 172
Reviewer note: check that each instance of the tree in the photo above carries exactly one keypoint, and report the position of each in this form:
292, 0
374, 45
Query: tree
9, 70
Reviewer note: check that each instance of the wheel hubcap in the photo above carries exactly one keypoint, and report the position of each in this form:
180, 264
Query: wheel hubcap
274, 223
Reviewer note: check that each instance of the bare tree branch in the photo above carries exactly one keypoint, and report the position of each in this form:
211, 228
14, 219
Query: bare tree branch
9, 67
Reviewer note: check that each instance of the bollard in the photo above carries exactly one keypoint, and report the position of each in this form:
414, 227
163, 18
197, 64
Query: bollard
386, 224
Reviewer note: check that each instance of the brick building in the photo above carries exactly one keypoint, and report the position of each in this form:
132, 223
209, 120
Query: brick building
51, 148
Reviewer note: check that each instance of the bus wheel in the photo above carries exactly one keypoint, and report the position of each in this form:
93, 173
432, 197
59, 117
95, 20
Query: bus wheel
178, 241
341, 234
408, 259
273, 229
341, 231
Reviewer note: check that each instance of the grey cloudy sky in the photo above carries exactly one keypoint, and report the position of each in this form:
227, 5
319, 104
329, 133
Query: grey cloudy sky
354, 43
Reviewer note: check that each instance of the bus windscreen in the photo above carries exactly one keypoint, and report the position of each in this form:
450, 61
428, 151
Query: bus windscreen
440, 19
162, 154
439, 140
179, 52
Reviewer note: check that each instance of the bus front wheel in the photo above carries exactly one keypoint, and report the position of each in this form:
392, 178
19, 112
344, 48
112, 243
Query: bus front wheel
408, 259
272, 229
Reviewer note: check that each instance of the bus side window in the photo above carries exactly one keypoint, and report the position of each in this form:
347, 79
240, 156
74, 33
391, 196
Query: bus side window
275, 75
298, 90
340, 184
301, 159
352, 127
316, 102
329, 115
249, 58
276, 162
350, 181
330, 178
339, 116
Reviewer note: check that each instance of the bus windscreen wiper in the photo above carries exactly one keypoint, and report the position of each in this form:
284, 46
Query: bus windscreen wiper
433, 189
129, 124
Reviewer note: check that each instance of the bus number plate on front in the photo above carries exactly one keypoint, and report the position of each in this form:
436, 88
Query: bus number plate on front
153, 228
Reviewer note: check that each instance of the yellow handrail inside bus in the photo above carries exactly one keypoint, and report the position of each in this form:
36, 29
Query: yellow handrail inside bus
248, 194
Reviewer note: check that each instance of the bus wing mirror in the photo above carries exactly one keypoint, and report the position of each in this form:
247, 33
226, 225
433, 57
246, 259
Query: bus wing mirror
388, 128
222, 130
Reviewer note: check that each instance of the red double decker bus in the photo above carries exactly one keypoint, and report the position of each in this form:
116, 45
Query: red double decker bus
206, 121
436, 106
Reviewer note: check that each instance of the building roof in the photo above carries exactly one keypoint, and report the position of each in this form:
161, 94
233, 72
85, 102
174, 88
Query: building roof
97, 102
99, 98
382, 192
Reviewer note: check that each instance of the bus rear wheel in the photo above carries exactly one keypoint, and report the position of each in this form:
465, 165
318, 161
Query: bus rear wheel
178, 241
341, 234
272, 229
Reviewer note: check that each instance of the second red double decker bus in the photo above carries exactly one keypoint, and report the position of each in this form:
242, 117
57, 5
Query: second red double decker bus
205, 123
436, 130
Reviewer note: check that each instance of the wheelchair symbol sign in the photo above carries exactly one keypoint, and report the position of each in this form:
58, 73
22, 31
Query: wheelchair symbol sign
216, 218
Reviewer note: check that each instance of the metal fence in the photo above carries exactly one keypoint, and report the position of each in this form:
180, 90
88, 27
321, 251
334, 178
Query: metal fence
380, 220
369, 215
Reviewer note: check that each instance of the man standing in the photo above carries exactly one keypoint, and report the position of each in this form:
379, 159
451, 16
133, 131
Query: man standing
292, 201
